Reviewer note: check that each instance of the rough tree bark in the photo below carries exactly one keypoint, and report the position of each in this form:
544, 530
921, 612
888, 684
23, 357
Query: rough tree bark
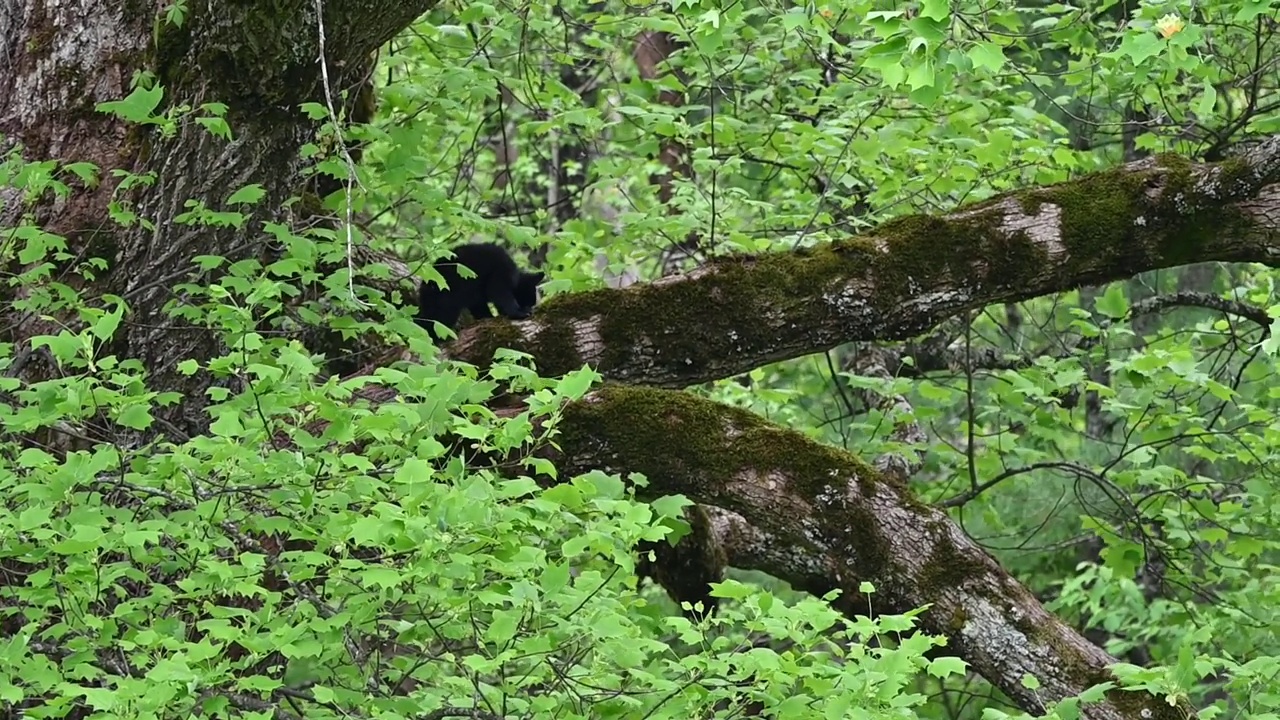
58, 60
846, 523
908, 275
824, 520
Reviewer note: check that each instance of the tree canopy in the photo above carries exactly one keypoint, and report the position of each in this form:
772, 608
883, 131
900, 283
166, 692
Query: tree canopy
894, 360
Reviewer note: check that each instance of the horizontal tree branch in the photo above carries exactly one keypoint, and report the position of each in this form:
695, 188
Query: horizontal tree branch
851, 524
741, 312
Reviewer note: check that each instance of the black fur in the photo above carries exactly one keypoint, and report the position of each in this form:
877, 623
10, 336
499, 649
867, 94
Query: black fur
497, 280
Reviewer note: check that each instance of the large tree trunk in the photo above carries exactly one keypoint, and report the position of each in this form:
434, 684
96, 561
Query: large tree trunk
262, 61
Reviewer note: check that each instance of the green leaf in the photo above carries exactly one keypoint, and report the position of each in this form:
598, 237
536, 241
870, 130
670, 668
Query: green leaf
987, 55
574, 385
414, 470
38, 243
86, 172
247, 195
216, 126
137, 107
303, 647
671, 506
1250, 9
677, 529
944, 666
64, 346
10, 694
920, 76
227, 424
893, 74
504, 626
926, 95
1113, 303
381, 577
1140, 45
794, 18
938, 10
1208, 101
136, 416
886, 58
1271, 345
105, 327
1067, 709
730, 590
1096, 693
555, 578
567, 496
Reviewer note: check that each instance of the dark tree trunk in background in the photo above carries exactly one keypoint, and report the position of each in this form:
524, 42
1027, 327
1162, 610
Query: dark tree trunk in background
653, 53
57, 61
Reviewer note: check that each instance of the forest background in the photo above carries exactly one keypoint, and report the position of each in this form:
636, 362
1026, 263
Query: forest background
948, 328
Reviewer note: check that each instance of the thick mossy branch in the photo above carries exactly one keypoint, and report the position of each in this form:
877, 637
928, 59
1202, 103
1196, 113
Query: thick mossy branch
738, 313
826, 505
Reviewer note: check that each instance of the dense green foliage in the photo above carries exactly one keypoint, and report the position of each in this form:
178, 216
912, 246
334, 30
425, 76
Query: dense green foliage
335, 557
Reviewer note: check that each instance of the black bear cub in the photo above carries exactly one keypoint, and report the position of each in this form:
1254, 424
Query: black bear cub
497, 280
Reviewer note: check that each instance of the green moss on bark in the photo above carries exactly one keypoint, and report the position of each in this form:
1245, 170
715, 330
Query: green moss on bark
691, 438
702, 446
1098, 213
780, 305
1167, 214
948, 568
739, 305
1083, 672
926, 251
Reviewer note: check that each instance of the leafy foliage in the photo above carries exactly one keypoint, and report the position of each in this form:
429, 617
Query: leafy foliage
338, 555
